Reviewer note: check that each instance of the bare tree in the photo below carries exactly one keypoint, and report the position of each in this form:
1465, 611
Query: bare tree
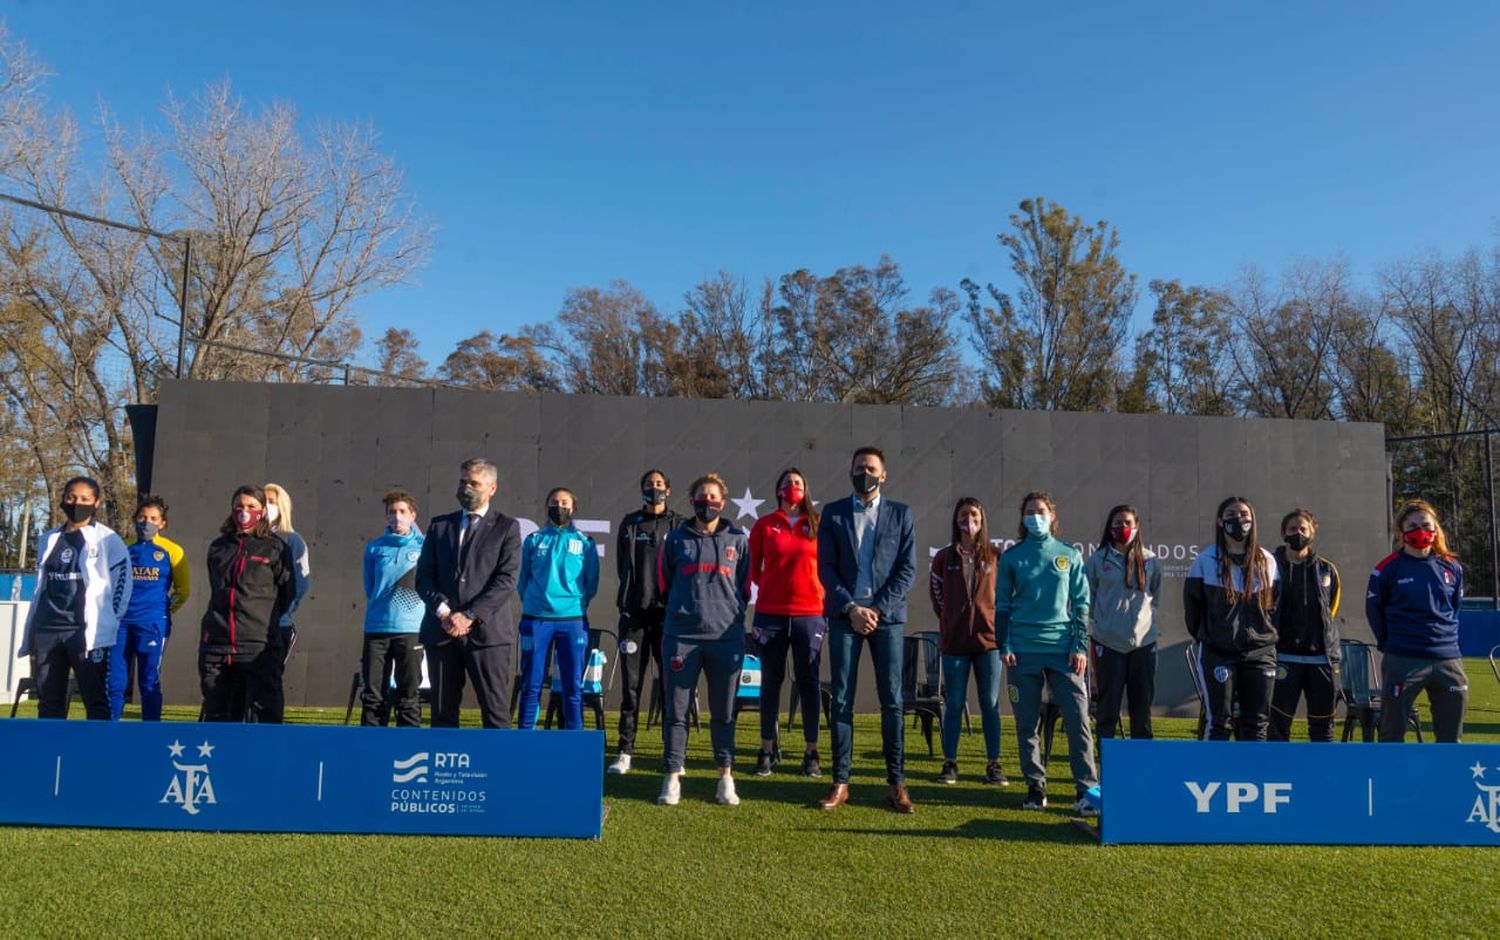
491, 363
1287, 330
1185, 357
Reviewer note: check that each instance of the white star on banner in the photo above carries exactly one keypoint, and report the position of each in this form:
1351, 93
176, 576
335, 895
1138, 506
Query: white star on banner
205, 750
748, 506
1477, 770
176, 748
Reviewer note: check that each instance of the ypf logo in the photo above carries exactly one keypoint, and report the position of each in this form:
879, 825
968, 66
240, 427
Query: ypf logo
410, 769
1486, 809
1238, 795
191, 785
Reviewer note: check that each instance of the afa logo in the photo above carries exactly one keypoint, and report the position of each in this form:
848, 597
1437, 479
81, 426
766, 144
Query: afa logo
1486, 809
191, 785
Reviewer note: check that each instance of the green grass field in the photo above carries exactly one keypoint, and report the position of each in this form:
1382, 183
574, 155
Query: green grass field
970, 862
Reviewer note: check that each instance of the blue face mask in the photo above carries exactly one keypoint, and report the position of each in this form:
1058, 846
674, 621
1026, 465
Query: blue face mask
1037, 524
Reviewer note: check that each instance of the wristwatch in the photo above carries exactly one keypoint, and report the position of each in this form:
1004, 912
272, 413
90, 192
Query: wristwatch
848, 607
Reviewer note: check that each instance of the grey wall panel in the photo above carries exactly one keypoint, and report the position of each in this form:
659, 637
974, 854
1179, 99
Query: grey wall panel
338, 449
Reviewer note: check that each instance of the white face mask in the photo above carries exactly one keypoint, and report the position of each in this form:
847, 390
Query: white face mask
273, 512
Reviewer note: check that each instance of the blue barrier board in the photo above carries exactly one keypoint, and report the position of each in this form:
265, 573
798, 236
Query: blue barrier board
301, 778
1297, 793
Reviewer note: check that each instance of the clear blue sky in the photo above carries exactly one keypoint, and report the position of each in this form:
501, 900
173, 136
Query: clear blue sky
559, 145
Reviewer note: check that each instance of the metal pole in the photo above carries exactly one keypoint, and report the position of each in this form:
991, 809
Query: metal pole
1489, 489
182, 305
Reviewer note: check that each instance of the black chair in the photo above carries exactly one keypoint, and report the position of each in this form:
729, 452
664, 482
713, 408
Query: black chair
1190, 653
1494, 667
935, 638
921, 684
594, 701
27, 686
1047, 718
1359, 682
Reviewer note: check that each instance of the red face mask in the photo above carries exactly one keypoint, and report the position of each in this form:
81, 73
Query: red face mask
1420, 539
791, 494
247, 518
1122, 534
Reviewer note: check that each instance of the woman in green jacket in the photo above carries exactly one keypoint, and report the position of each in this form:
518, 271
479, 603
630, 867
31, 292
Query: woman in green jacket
1041, 627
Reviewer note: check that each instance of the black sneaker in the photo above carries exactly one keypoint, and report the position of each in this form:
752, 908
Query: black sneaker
994, 775
950, 772
810, 765
765, 763
1036, 797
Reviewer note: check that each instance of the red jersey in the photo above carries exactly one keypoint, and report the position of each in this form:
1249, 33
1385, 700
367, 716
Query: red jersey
784, 567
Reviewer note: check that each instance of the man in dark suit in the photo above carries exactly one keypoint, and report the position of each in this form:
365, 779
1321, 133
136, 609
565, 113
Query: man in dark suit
867, 563
466, 575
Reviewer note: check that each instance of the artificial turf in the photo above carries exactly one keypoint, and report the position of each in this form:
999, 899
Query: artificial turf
968, 862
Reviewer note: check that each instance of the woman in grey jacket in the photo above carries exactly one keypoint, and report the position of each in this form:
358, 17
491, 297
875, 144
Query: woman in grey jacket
1125, 585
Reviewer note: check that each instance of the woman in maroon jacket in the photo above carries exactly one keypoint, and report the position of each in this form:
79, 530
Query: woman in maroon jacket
788, 615
962, 585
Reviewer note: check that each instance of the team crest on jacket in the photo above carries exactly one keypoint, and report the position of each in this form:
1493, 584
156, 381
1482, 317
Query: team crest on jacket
158, 556
730, 553
66, 556
1447, 576
1061, 562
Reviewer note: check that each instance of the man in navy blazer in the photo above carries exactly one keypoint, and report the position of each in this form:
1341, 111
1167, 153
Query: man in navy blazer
466, 575
867, 563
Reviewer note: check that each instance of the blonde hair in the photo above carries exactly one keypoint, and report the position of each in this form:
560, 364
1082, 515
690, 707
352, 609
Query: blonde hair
1440, 543
283, 499
705, 480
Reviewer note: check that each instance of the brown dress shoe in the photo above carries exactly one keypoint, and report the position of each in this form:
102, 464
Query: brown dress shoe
899, 800
838, 795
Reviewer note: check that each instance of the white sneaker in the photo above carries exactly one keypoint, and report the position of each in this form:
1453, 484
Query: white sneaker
671, 791
620, 766
725, 795
1084, 808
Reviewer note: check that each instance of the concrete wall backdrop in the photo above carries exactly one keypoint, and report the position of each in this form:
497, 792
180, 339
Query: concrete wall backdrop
338, 449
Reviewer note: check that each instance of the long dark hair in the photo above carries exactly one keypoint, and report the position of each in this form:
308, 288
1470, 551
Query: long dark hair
1254, 570
1135, 553
806, 507
262, 528
983, 550
1051, 507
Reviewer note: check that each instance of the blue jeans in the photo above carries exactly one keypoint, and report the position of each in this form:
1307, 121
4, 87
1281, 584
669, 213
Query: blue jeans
137, 649
537, 637
885, 650
956, 691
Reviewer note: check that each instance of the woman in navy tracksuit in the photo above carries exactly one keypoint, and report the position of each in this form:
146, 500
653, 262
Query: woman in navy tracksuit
559, 576
704, 573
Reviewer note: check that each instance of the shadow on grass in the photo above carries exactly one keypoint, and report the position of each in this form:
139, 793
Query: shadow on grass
1044, 827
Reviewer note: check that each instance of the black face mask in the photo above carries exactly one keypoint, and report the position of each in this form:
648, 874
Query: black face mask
1237, 529
654, 497
706, 511
864, 483
78, 512
1298, 541
559, 516
469, 497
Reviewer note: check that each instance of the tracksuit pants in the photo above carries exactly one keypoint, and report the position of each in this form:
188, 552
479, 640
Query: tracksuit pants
237, 686
986, 669
1125, 677
1294, 680
886, 645
571, 638
1071, 695
138, 649
803, 638
386, 655
1246, 678
640, 643
273, 708
53, 655
1405, 677
686, 659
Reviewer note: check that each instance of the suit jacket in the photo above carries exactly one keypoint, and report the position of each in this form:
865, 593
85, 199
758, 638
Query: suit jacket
486, 587
893, 570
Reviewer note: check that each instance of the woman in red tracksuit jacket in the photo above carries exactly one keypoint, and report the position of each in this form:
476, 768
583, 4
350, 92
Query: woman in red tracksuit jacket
250, 586
788, 615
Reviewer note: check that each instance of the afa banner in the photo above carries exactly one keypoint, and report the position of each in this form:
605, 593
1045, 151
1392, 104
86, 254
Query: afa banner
300, 778
1295, 793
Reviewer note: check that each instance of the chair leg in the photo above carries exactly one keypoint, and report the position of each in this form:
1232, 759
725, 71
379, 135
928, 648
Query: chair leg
353, 694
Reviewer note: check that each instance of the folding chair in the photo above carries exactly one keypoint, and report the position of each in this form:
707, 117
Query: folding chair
1495, 668
921, 692
598, 677
27, 686
1360, 684
935, 638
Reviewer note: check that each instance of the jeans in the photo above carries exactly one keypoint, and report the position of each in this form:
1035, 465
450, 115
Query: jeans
1071, 696
885, 650
986, 668
537, 638
803, 636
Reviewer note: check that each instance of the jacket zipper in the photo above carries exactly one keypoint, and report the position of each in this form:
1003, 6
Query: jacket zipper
238, 568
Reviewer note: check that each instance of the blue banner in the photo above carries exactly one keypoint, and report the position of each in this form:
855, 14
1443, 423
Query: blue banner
301, 778
1298, 793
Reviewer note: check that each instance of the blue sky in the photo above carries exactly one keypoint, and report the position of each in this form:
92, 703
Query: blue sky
559, 145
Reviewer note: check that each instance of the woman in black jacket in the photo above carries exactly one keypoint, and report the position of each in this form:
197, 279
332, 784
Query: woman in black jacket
250, 585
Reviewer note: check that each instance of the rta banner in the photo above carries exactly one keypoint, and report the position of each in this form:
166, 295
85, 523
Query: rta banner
1294, 793
298, 778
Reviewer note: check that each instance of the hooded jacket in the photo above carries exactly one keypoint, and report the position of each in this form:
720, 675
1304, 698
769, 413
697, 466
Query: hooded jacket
250, 586
705, 579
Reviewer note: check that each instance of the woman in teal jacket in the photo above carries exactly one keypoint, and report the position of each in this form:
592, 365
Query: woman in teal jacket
559, 575
1041, 627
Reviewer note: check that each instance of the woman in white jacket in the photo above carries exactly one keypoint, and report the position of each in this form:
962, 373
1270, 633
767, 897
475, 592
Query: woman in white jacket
82, 588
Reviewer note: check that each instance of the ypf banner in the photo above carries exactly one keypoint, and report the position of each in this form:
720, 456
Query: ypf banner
1313, 794
300, 778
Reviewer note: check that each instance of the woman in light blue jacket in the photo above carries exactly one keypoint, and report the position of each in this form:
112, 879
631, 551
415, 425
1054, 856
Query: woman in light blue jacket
559, 576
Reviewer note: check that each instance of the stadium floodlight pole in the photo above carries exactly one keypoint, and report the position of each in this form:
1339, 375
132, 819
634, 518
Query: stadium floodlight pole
186, 241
